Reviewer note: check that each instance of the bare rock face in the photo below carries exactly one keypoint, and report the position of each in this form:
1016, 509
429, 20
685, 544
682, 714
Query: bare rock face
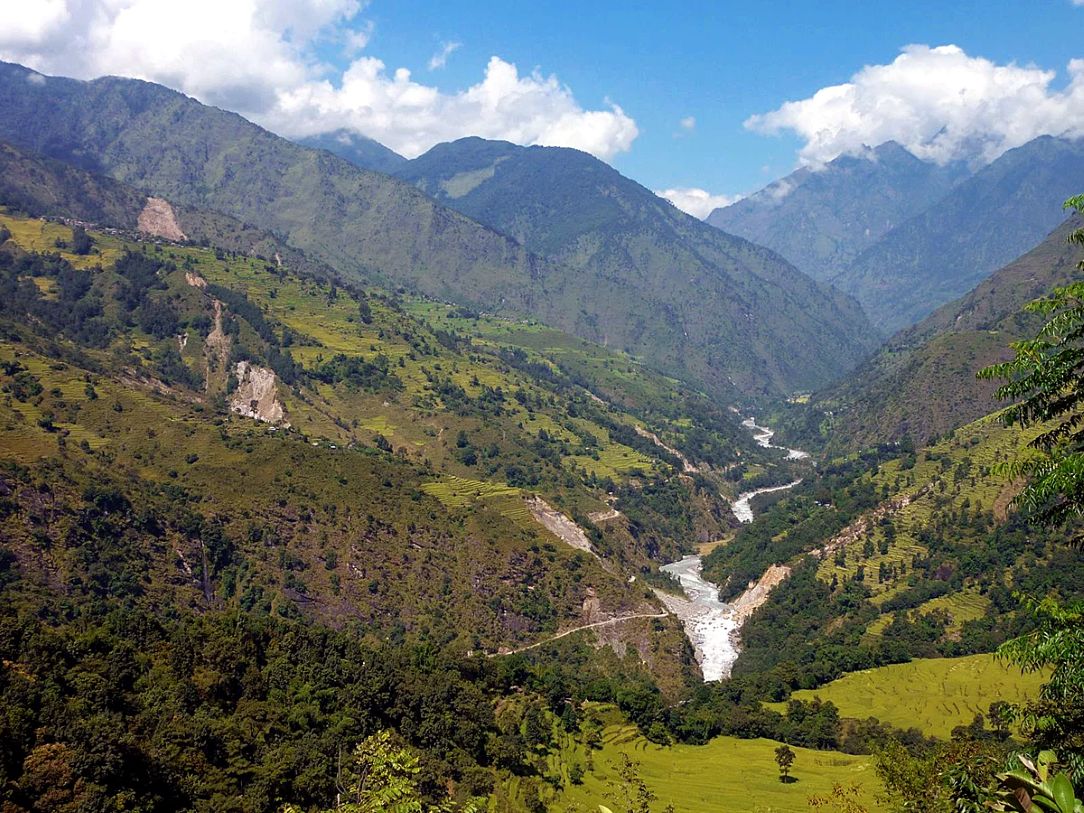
195, 280
159, 220
756, 594
257, 394
559, 525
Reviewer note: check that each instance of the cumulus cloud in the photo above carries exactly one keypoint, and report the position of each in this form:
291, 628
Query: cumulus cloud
938, 102
689, 122
440, 58
697, 202
260, 58
410, 117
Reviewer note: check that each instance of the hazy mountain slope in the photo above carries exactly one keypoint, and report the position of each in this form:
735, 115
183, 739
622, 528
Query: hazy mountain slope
654, 265
718, 310
359, 150
922, 383
822, 219
983, 223
45, 187
362, 223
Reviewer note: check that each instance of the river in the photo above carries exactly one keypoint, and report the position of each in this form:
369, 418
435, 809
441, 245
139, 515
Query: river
711, 625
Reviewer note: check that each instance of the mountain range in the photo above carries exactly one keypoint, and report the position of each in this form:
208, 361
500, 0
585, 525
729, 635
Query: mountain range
317, 459
697, 304
921, 383
948, 229
822, 218
359, 150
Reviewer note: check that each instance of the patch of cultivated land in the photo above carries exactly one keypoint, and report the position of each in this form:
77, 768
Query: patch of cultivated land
932, 694
727, 774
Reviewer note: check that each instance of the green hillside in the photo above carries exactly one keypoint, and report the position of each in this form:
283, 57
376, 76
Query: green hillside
934, 695
365, 389
725, 774
751, 312
573, 208
896, 556
921, 384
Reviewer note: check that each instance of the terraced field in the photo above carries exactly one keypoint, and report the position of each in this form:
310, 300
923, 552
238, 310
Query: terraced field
727, 774
934, 694
42, 236
458, 492
955, 476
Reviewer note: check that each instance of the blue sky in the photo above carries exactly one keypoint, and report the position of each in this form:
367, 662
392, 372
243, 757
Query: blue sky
614, 78
717, 62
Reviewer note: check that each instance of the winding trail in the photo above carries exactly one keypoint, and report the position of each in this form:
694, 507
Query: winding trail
560, 635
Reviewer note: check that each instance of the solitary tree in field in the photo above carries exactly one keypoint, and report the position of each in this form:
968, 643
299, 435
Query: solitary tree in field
784, 758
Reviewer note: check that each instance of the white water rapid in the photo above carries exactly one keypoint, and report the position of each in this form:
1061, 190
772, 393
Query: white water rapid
711, 625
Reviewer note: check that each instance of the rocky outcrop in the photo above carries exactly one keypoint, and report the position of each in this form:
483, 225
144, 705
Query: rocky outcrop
257, 394
195, 280
159, 220
757, 593
559, 525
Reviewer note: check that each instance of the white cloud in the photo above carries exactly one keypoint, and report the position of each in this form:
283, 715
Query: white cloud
697, 202
440, 58
689, 122
259, 57
410, 117
939, 103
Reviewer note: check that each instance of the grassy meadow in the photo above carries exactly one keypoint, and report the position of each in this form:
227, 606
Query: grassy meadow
727, 774
932, 694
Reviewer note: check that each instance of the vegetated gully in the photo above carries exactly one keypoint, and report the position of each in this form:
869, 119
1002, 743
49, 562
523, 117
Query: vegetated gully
713, 626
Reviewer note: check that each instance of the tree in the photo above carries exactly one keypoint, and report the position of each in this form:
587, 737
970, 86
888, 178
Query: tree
843, 799
81, 242
1033, 785
784, 758
634, 792
1045, 381
382, 777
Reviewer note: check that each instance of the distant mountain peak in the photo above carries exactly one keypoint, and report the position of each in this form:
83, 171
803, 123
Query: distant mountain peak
821, 218
357, 148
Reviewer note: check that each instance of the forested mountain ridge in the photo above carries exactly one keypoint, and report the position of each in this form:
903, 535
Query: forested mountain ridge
368, 226
905, 236
985, 221
897, 553
271, 520
237, 498
199, 334
38, 186
822, 218
921, 384
723, 292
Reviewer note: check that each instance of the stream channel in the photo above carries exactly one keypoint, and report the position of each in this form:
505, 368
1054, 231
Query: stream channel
711, 625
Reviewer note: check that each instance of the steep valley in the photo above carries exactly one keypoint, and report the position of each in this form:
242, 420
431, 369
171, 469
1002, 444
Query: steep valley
488, 480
